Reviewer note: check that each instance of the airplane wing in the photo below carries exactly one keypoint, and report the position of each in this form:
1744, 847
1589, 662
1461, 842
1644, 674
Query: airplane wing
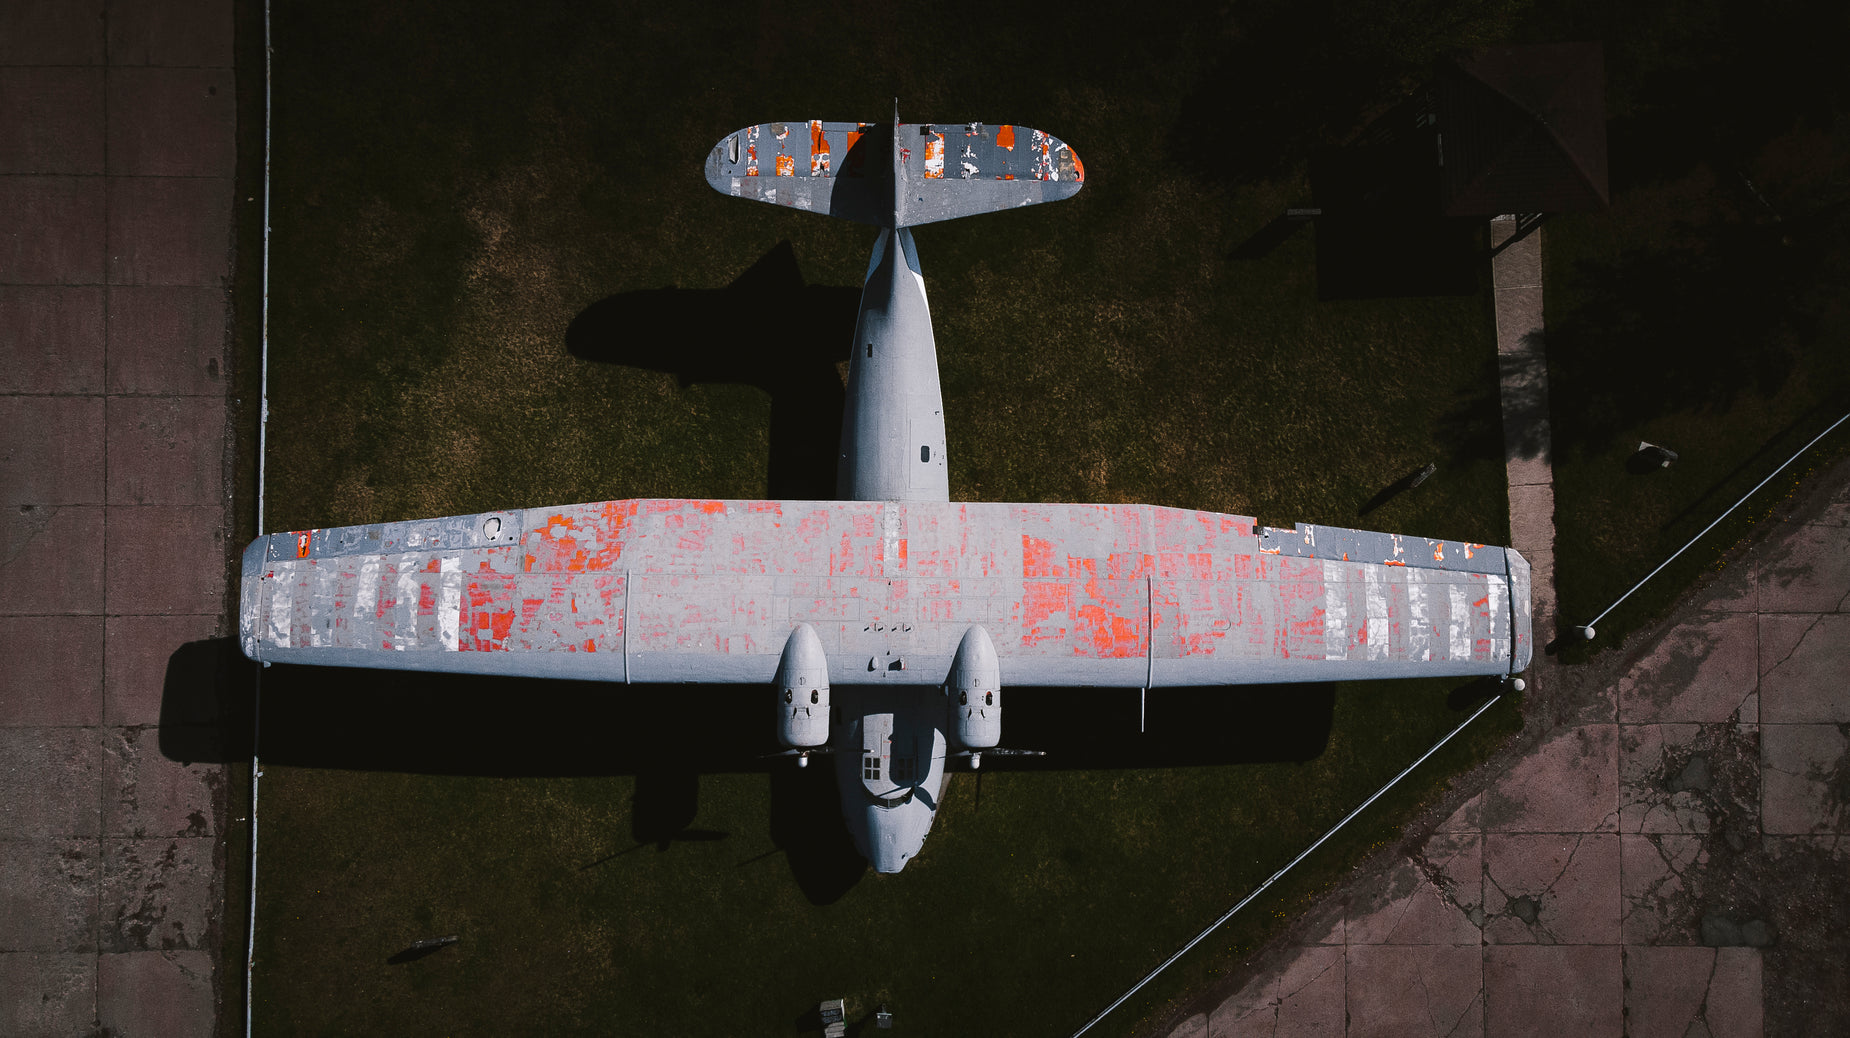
650, 591
849, 169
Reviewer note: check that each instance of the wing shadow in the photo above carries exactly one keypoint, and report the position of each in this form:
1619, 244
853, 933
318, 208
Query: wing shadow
767, 329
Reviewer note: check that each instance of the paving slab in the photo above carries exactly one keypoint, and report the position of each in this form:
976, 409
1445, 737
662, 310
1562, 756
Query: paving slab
1689, 778
1551, 888
1809, 572
1805, 669
1703, 669
167, 339
52, 777
148, 795
51, 560
1306, 999
1404, 992
48, 895
1803, 778
168, 230
155, 993
1569, 784
54, 676
153, 892
1436, 899
51, 339
166, 450
52, 453
1553, 990
51, 32
166, 559
1674, 992
1661, 875
150, 32
60, 999
51, 230
172, 122
51, 120
141, 653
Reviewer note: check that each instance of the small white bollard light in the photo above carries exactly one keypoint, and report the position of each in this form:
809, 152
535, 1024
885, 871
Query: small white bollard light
1588, 632
1518, 684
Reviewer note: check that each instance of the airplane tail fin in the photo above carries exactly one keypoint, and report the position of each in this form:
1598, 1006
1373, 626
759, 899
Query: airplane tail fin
901, 175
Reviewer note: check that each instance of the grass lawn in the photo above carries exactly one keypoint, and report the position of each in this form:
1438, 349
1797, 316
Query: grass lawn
466, 193
1709, 309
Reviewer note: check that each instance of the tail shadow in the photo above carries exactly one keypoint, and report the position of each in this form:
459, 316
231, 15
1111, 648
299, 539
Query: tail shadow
767, 329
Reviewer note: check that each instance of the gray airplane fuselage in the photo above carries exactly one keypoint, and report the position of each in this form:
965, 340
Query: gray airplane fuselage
892, 449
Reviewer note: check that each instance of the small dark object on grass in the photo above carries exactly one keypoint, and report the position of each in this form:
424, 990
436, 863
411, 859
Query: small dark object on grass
1649, 458
419, 949
883, 1018
1398, 487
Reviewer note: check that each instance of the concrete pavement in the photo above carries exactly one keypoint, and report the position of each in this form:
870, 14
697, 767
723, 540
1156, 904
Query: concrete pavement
117, 146
1661, 853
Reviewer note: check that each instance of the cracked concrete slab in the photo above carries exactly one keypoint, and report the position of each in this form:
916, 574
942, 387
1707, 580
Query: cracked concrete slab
1804, 683
1553, 888
1660, 879
1701, 670
1569, 784
1690, 778
1434, 898
52, 775
1806, 778
152, 891
59, 993
155, 992
1403, 992
48, 895
1674, 992
151, 796
1551, 990
1307, 998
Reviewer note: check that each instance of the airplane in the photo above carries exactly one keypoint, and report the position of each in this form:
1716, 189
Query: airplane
887, 622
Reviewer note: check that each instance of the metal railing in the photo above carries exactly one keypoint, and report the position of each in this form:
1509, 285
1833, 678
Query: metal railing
1276, 876
1587, 629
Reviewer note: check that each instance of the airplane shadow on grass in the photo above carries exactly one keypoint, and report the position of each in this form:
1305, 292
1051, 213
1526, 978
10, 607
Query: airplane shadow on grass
767, 329
669, 736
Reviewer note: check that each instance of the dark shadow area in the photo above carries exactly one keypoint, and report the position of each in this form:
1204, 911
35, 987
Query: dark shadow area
1292, 77
767, 329
1689, 326
1505, 423
1472, 694
1776, 449
205, 703
1097, 728
1282, 228
1395, 489
663, 809
420, 950
806, 824
1381, 233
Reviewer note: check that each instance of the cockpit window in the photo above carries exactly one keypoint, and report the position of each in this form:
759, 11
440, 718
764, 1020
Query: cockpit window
902, 770
870, 767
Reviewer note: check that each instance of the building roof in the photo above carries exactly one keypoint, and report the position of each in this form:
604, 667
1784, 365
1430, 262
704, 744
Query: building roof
1523, 130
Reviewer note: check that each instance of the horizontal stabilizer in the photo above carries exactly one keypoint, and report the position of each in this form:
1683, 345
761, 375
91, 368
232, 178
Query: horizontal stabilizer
899, 175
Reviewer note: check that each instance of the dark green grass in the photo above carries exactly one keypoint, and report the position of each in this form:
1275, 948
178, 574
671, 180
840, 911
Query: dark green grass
1707, 310
457, 183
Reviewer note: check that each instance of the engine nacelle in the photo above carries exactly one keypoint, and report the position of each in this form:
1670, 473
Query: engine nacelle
802, 684
975, 692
